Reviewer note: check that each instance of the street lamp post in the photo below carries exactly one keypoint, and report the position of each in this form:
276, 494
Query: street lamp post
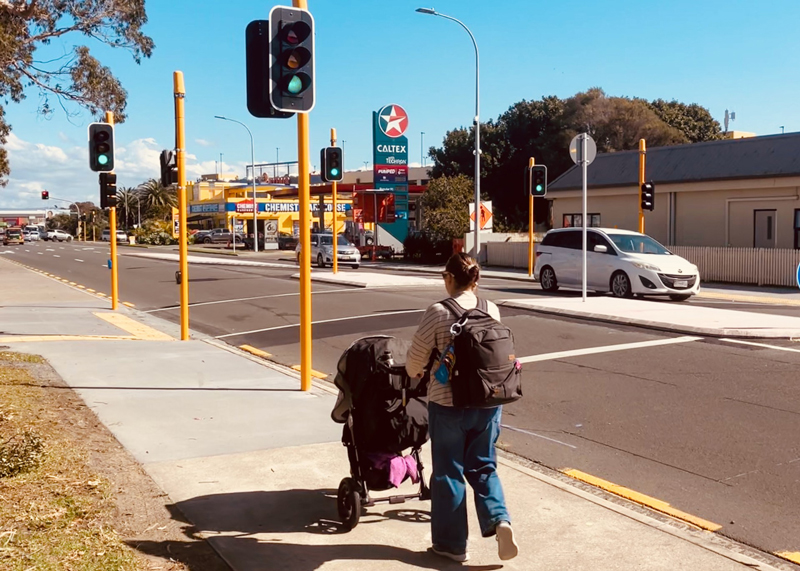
253, 173
477, 122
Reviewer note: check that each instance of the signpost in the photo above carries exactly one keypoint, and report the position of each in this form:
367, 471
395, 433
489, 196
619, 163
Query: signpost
486, 216
582, 151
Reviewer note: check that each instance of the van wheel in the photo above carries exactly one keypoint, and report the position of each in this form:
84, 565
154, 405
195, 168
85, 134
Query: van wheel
320, 261
621, 285
547, 277
206, 240
679, 297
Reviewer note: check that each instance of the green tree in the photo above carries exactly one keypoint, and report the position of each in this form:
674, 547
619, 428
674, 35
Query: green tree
157, 199
76, 77
445, 207
694, 121
127, 202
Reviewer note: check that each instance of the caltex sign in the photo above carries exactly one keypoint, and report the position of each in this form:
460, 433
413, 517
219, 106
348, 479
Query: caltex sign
393, 121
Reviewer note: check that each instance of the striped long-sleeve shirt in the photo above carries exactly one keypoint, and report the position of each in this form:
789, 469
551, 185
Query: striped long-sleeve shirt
434, 332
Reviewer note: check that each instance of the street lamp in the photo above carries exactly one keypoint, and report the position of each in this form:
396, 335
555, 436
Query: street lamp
477, 150
253, 169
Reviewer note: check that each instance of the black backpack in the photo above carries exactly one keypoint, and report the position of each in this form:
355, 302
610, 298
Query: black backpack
486, 371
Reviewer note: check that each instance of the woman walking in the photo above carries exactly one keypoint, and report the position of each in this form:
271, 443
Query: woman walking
462, 439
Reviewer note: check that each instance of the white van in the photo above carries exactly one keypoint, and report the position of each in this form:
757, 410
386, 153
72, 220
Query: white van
620, 261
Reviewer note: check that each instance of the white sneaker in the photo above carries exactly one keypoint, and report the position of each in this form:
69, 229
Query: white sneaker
507, 547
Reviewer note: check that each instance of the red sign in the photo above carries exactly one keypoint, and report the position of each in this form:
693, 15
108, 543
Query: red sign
367, 204
244, 206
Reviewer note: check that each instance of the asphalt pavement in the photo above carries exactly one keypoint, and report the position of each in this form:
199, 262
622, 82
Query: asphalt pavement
706, 425
253, 463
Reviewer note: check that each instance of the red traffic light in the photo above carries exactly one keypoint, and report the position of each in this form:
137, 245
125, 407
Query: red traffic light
45, 195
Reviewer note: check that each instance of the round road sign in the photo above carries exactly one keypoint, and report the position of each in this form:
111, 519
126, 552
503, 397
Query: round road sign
576, 149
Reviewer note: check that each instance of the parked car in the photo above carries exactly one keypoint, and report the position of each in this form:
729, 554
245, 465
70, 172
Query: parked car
216, 236
13, 236
122, 237
59, 235
287, 241
322, 250
620, 261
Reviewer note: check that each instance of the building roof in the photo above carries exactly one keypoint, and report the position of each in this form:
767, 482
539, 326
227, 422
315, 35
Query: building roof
754, 157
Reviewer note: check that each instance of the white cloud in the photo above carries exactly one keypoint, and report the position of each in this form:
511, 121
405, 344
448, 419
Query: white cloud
204, 143
64, 171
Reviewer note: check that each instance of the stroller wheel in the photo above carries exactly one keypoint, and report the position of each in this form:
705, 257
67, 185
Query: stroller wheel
348, 502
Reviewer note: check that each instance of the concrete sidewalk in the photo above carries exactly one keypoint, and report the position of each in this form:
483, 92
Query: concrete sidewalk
254, 463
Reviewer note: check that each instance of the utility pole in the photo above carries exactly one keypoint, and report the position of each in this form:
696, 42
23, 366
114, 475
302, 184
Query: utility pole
112, 229
179, 92
642, 155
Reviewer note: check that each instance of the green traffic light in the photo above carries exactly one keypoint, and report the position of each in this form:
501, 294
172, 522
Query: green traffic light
102, 159
334, 172
295, 85
538, 188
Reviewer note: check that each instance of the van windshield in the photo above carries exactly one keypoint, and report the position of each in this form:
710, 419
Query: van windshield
637, 244
327, 240
13, 233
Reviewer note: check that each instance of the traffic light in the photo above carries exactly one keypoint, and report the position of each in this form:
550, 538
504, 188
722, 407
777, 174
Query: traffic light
45, 195
257, 65
332, 160
169, 168
291, 61
539, 180
648, 196
108, 190
101, 147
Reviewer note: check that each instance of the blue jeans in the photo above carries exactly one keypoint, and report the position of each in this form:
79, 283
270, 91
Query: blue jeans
462, 442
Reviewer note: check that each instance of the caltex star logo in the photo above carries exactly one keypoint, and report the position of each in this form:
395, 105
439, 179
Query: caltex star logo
393, 121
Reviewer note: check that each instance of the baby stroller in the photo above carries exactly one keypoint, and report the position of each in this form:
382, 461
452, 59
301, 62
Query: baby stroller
384, 412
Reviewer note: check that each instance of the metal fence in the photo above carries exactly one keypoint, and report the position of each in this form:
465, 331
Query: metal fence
760, 266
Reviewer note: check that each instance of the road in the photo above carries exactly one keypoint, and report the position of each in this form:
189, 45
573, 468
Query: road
707, 426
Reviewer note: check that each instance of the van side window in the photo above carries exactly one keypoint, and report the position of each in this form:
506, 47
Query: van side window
551, 239
572, 239
594, 239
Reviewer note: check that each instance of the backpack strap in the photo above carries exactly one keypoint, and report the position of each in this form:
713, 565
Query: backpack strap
453, 307
483, 305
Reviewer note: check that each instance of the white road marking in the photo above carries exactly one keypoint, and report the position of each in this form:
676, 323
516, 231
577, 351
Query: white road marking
350, 290
40, 253
56, 256
528, 432
606, 349
776, 347
27, 250
49, 250
322, 321
77, 260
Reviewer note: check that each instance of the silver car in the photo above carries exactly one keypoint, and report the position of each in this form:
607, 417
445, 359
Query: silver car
322, 250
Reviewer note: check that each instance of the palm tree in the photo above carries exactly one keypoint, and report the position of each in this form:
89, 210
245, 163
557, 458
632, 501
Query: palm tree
126, 200
158, 199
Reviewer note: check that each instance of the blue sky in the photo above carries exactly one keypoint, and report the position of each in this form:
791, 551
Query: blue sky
736, 55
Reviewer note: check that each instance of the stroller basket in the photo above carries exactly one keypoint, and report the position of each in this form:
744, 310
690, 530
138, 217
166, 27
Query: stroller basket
384, 412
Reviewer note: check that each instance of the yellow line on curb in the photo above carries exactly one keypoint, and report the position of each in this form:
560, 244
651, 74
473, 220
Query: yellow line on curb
81, 287
314, 373
90, 290
642, 499
138, 330
72, 283
254, 351
748, 298
793, 556
128, 303
40, 338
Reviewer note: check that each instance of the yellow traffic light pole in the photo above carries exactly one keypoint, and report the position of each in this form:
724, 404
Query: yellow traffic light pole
333, 195
179, 92
305, 239
642, 155
531, 162
112, 229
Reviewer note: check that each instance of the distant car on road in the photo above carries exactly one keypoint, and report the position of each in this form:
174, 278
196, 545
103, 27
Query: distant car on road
13, 236
620, 261
286, 241
59, 235
322, 250
33, 235
105, 236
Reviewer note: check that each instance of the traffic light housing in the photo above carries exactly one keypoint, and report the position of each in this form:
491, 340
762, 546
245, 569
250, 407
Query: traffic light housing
108, 190
291, 60
648, 196
45, 195
332, 161
169, 168
257, 57
539, 180
101, 147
